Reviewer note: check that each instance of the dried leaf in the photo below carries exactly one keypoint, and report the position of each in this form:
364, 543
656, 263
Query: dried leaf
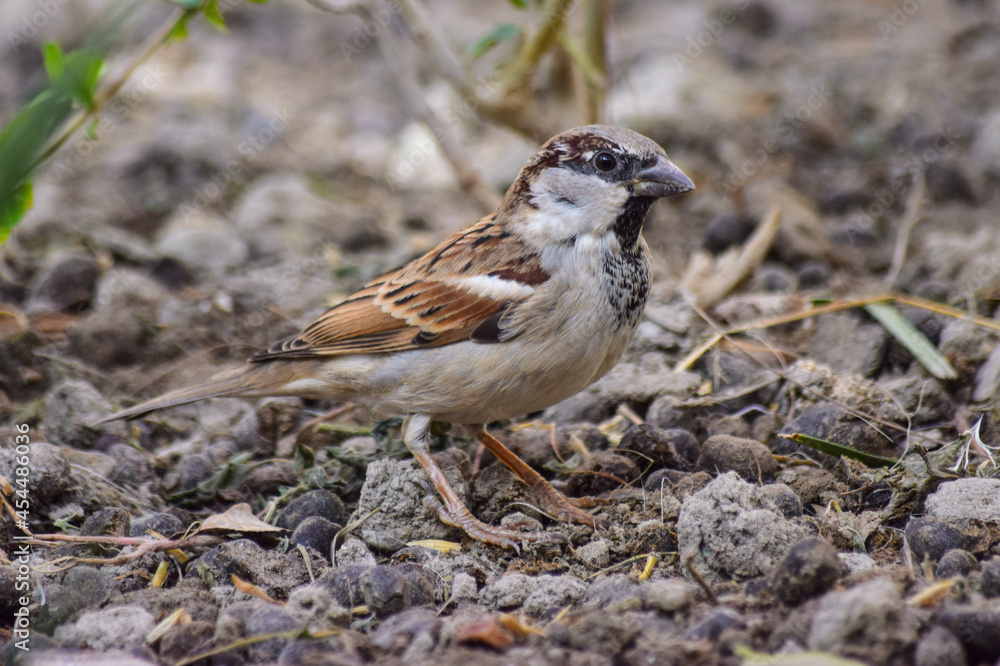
249, 588
238, 518
488, 632
178, 617
932, 595
519, 625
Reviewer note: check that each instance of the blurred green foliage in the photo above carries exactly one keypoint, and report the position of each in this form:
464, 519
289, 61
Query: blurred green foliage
76, 87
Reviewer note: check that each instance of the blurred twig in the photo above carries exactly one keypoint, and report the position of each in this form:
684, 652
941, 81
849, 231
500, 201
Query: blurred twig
910, 217
106, 94
594, 31
518, 74
406, 78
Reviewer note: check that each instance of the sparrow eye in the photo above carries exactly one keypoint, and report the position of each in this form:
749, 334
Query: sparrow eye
605, 161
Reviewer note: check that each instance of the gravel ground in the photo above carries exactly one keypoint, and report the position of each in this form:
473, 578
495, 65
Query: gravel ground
247, 180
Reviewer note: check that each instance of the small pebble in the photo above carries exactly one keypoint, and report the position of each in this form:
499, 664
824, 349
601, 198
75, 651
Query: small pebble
464, 589
810, 567
955, 563
932, 538
989, 579
317, 533
748, 458
667, 595
595, 554
940, 647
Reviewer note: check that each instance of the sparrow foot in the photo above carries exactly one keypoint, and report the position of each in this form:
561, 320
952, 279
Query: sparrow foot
566, 509
450, 508
459, 516
550, 500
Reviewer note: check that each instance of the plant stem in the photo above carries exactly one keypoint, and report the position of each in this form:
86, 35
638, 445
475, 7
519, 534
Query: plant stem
104, 96
520, 71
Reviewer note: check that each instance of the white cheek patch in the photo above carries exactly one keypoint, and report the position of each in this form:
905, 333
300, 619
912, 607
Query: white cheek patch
497, 288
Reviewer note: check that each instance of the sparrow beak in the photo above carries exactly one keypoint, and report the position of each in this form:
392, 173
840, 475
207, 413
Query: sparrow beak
662, 179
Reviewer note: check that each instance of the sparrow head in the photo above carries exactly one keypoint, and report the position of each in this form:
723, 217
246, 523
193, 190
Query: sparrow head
591, 181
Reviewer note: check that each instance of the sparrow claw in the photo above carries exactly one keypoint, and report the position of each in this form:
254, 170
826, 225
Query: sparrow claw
459, 516
569, 509
587, 502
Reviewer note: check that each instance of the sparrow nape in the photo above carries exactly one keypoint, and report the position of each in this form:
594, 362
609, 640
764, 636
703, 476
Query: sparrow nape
517, 312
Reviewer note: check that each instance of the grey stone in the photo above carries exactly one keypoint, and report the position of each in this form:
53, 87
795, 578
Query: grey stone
268, 619
955, 563
66, 281
870, 622
554, 592
964, 501
939, 647
203, 242
931, 538
507, 592
184, 640
314, 608
784, 498
317, 533
733, 531
809, 568
668, 595
48, 474
464, 589
354, 551
320, 503
121, 627
855, 563
595, 554
977, 628
966, 344
276, 573
989, 579
616, 592
846, 345
396, 487
988, 378
280, 212
748, 458
72, 410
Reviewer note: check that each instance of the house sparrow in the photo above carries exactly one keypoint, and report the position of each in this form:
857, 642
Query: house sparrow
517, 312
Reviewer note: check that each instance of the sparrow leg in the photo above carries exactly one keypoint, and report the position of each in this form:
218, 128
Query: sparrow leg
451, 510
550, 500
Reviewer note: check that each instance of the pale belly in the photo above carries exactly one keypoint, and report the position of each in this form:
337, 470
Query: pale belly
468, 382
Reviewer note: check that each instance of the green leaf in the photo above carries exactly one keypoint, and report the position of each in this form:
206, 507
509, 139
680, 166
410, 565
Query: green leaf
304, 458
520, 4
21, 141
213, 16
188, 4
911, 338
502, 33
55, 61
839, 450
180, 30
15, 208
75, 74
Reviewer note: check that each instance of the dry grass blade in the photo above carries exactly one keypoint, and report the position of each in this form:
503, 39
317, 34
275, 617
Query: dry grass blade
911, 338
910, 218
708, 281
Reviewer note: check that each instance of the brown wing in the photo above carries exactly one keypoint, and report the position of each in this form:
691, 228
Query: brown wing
460, 290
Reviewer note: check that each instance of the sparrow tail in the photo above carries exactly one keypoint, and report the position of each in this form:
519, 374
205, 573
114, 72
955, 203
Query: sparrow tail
247, 381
